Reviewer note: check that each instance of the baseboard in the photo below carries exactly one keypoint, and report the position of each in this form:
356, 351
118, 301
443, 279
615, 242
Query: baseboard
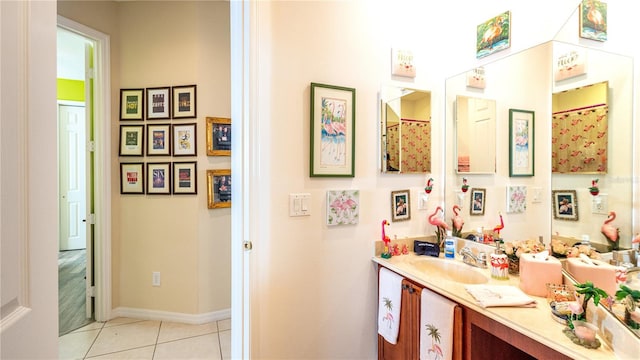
195, 319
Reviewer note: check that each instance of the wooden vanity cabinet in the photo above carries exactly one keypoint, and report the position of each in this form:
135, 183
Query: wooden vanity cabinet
407, 346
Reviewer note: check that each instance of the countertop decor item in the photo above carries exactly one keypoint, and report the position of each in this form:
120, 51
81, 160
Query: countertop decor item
610, 232
593, 189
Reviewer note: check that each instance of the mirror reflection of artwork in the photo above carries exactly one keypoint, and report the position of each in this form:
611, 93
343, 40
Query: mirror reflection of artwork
516, 199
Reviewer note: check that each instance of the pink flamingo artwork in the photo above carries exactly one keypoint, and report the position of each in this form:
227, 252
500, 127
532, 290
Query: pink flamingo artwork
440, 225
609, 231
457, 221
386, 253
499, 227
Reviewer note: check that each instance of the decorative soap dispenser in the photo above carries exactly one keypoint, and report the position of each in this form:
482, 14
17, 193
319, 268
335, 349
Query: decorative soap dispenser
499, 264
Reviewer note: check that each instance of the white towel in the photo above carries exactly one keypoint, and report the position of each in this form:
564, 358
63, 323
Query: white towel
389, 299
500, 295
436, 326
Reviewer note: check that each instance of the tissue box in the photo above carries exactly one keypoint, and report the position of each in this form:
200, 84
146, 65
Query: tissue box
537, 272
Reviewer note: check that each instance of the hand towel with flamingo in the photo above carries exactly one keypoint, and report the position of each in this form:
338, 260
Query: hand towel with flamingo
389, 299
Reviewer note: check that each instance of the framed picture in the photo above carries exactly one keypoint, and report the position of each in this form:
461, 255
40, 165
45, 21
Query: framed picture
402, 63
131, 140
185, 178
218, 136
521, 142
593, 20
159, 178
158, 103
400, 205
565, 205
516, 199
184, 102
478, 197
218, 188
131, 178
184, 139
493, 35
332, 131
131, 104
343, 207
158, 139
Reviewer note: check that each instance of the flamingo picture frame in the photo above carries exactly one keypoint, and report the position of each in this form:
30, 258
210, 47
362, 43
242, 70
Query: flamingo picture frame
493, 35
400, 205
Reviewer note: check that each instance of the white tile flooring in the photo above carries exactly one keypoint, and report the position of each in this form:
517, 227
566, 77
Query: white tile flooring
126, 338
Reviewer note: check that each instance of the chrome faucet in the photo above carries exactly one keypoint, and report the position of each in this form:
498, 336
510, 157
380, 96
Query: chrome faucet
469, 258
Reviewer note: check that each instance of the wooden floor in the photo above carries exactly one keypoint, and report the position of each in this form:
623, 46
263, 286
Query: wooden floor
71, 291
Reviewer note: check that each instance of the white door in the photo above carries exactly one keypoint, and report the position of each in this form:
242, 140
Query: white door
482, 119
28, 168
73, 187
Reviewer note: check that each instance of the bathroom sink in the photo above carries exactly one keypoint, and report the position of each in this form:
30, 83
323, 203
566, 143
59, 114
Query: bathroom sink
450, 270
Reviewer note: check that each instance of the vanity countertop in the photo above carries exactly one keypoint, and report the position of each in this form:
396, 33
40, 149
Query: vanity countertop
536, 323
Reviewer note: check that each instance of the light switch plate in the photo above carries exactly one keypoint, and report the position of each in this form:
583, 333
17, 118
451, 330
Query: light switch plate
536, 194
299, 204
600, 204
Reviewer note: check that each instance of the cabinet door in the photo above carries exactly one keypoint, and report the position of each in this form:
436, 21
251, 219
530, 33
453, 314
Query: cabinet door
407, 346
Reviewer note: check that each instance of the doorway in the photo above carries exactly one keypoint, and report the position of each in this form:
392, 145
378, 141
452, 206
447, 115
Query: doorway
75, 117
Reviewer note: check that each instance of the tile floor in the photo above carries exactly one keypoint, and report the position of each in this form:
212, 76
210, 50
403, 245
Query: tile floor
126, 338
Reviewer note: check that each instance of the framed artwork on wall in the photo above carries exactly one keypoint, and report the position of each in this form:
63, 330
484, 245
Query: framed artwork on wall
131, 140
493, 35
400, 205
158, 139
159, 178
478, 198
184, 139
185, 178
343, 207
131, 178
184, 101
521, 142
332, 127
158, 103
131, 104
516, 199
218, 188
593, 20
565, 205
218, 136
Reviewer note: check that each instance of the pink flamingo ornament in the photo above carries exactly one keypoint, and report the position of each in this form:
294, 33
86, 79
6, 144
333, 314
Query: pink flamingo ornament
609, 231
440, 225
593, 189
386, 253
500, 226
465, 186
457, 221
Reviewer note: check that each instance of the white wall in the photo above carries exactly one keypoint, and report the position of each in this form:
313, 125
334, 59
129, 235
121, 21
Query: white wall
315, 287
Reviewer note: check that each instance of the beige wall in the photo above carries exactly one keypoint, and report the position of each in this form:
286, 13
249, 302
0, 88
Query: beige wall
168, 44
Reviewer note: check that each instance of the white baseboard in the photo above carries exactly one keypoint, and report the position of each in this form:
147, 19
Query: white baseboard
146, 314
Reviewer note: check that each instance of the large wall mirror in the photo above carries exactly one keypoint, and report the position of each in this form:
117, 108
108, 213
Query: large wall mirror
405, 124
598, 96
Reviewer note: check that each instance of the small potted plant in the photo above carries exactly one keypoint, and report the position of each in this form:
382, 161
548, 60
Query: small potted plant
593, 189
465, 186
631, 297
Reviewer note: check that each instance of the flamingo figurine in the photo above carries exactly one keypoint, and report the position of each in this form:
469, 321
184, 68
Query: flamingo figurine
440, 225
635, 243
499, 227
609, 231
457, 221
386, 253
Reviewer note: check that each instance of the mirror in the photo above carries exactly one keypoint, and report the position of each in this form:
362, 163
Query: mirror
515, 84
405, 122
475, 135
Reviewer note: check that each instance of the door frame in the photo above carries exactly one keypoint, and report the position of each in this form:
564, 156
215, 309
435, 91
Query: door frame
102, 165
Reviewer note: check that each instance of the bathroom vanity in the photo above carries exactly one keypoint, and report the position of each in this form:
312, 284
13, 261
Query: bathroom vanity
493, 332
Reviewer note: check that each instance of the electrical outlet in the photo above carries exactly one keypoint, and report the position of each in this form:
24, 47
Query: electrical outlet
155, 278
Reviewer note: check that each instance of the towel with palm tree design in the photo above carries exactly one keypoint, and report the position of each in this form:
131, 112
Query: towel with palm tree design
389, 299
436, 326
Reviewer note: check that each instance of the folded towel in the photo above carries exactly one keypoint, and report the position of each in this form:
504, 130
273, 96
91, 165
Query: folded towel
436, 326
389, 299
500, 295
